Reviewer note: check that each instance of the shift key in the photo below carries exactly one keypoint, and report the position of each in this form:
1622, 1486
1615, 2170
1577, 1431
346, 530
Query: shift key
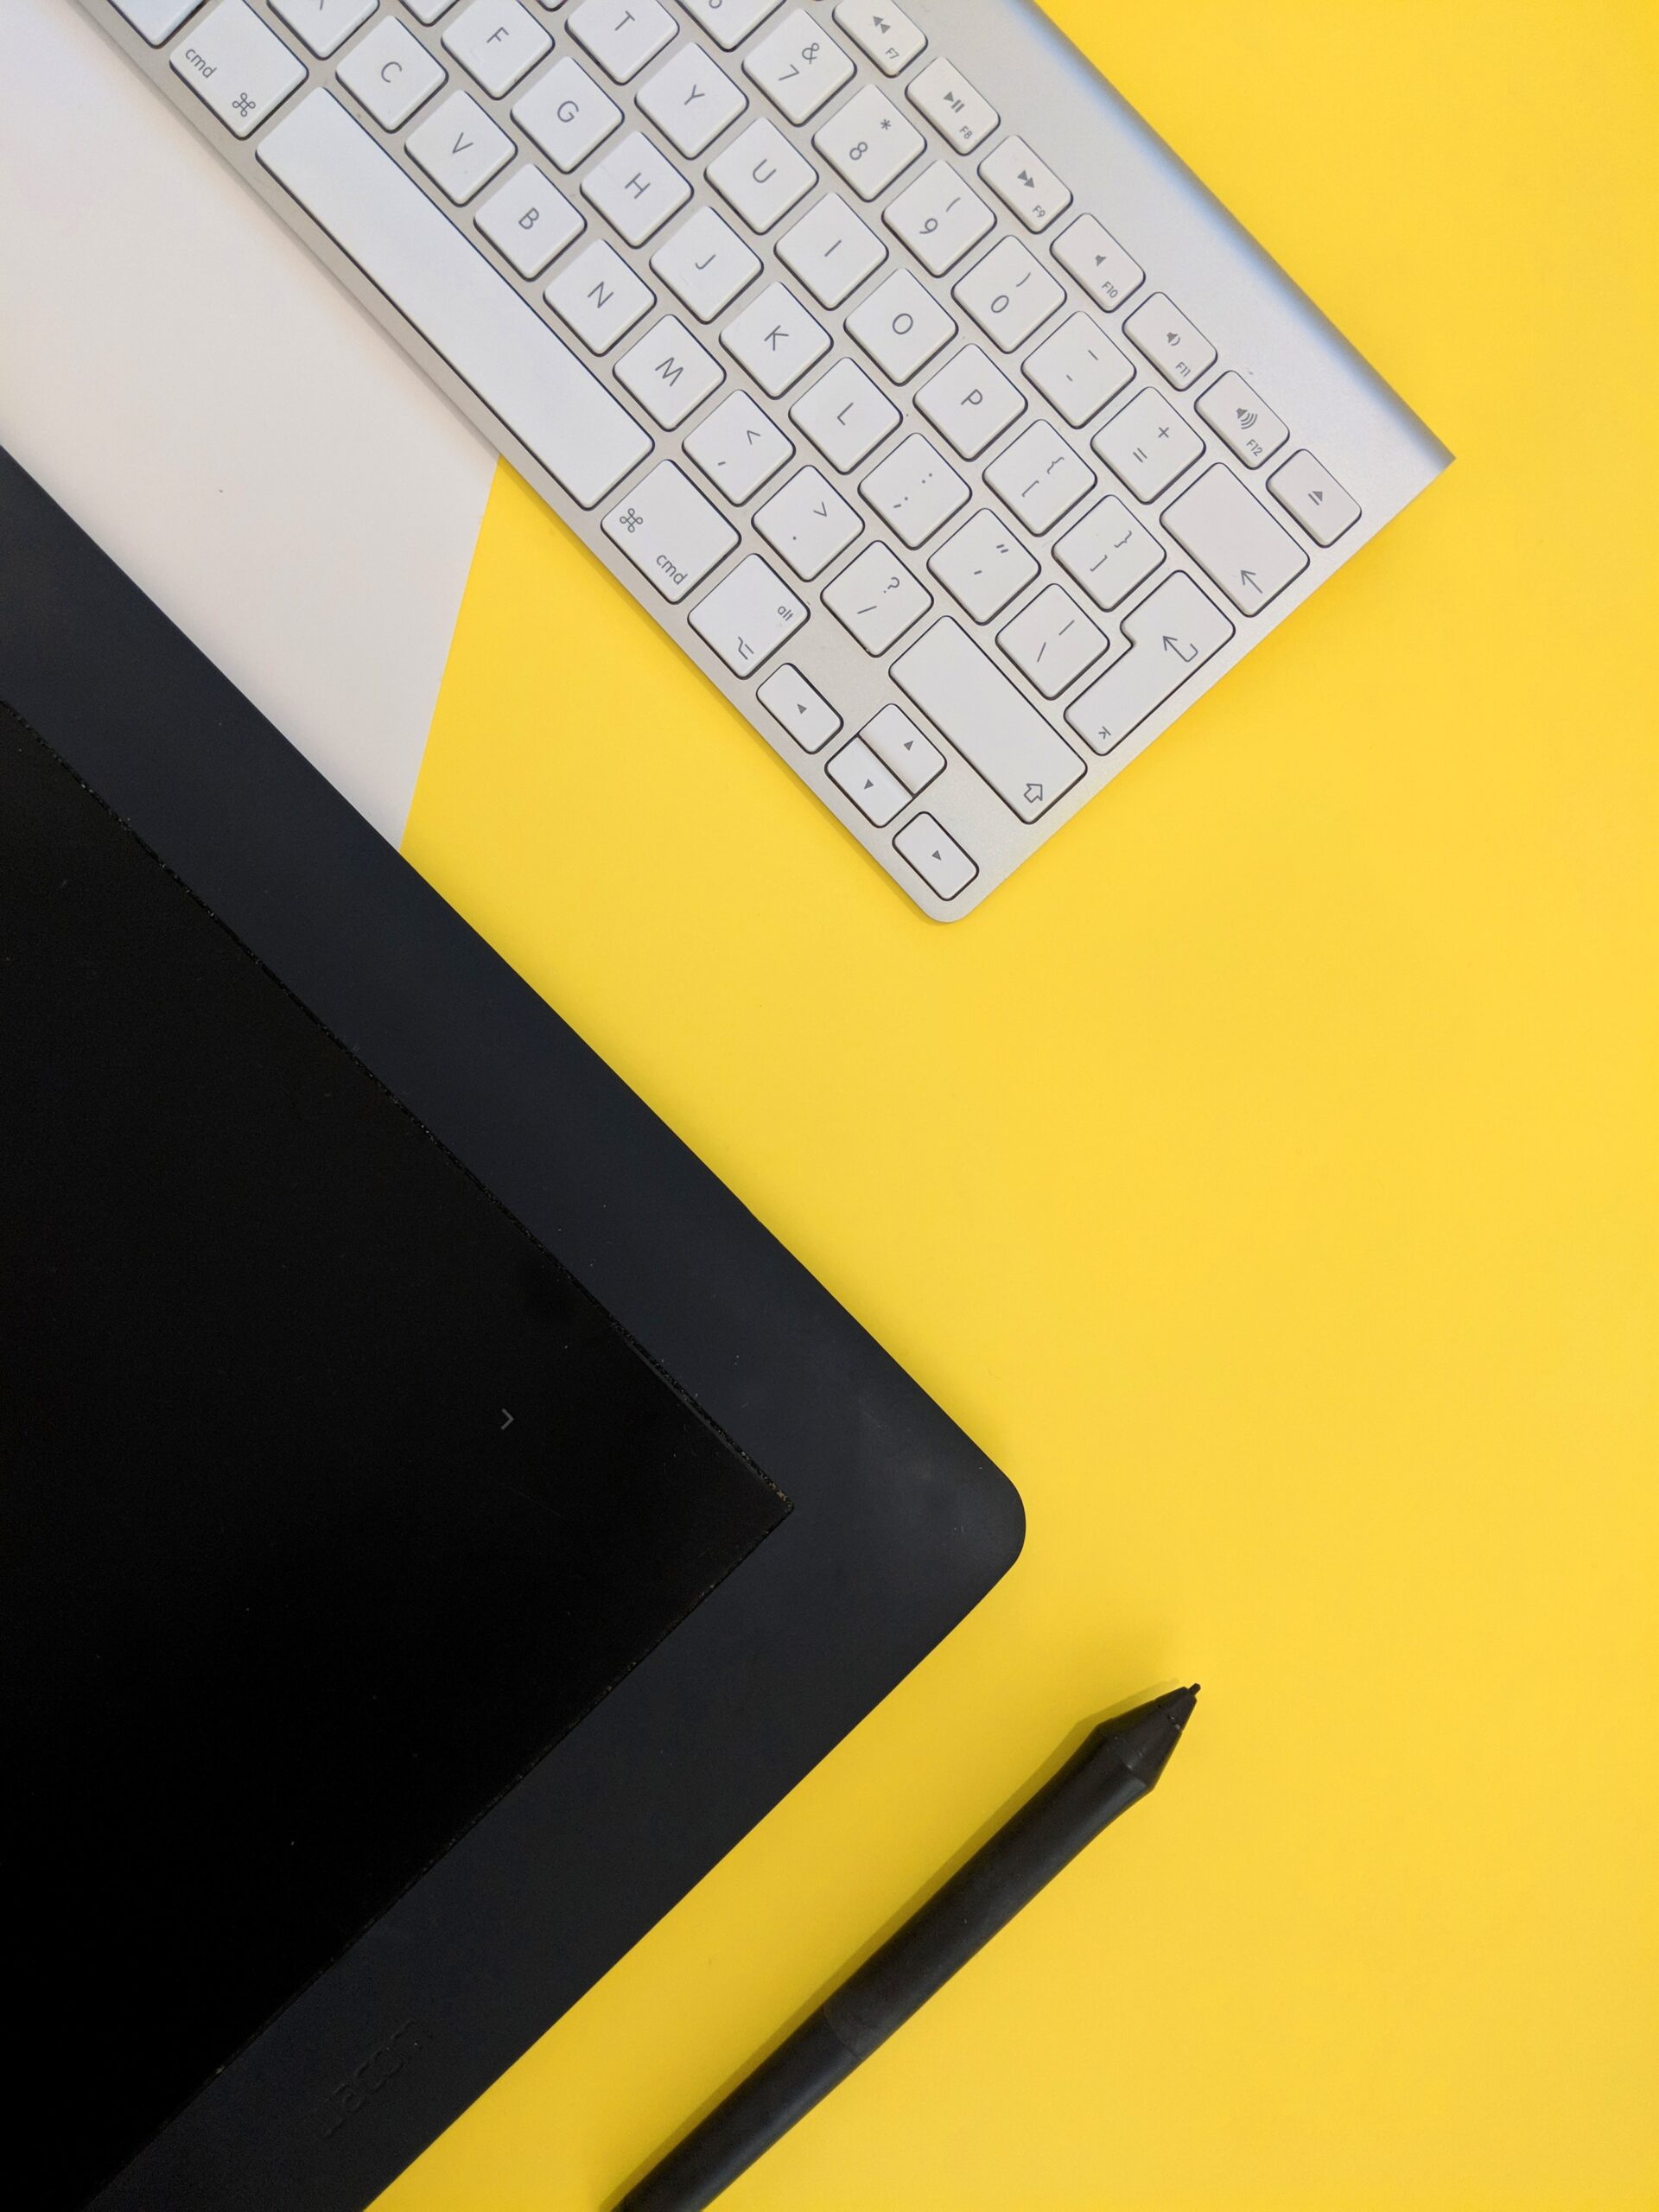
993, 728
1173, 630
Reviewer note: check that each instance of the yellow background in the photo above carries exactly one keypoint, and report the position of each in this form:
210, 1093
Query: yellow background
1266, 1177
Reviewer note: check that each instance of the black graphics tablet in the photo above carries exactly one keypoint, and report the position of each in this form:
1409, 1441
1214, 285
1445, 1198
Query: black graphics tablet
436, 1519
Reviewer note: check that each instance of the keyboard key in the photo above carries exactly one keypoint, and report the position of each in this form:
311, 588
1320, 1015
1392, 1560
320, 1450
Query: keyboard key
899, 744
762, 176
1078, 370
993, 725
1110, 553
832, 250
1147, 445
549, 403
428, 11
567, 114
1179, 352
915, 491
868, 143
1094, 257
390, 73
1040, 477
1307, 489
886, 35
845, 415
705, 264
669, 532
874, 789
1052, 642
776, 340
1010, 294
1024, 185
936, 857
636, 188
1241, 419
600, 296
984, 567
157, 20
877, 599
238, 66
691, 100
809, 523
460, 148
749, 616
1173, 630
739, 448
797, 67
971, 402
955, 108
902, 326
669, 372
797, 706
622, 35
324, 24
496, 42
1234, 540
939, 217
728, 22
529, 221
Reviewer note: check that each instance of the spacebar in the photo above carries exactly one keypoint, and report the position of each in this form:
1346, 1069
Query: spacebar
526, 377
996, 730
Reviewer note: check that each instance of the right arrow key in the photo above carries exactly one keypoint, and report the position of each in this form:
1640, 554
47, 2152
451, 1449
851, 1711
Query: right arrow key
1234, 540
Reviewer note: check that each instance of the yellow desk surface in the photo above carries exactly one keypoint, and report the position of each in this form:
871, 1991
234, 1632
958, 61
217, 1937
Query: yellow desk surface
1266, 1177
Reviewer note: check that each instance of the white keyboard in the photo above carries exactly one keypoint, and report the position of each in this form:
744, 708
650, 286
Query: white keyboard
886, 356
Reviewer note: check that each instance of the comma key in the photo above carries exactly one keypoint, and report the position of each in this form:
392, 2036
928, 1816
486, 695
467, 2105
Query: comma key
1173, 630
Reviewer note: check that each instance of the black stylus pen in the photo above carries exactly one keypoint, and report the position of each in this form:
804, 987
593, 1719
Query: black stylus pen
1117, 1766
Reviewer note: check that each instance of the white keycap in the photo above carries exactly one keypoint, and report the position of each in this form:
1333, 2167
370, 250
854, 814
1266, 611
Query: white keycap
691, 100
984, 567
705, 264
529, 219
669, 372
936, 856
1234, 540
803, 712
1109, 553
1025, 185
1147, 445
1040, 477
428, 11
496, 42
157, 20
971, 402
955, 108
797, 67
728, 22
1079, 369
845, 415
868, 143
600, 296
567, 114
875, 790
1173, 630
497, 344
1010, 294
458, 147
622, 35
324, 24
776, 340
1106, 272
809, 523
1052, 641
939, 217
1242, 420
390, 73
636, 187
899, 744
746, 617
902, 326
1307, 489
738, 447
237, 66
762, 176
1179, 352
669, 532
832, 250
886, 35
993, 725
915, 491
877, 599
